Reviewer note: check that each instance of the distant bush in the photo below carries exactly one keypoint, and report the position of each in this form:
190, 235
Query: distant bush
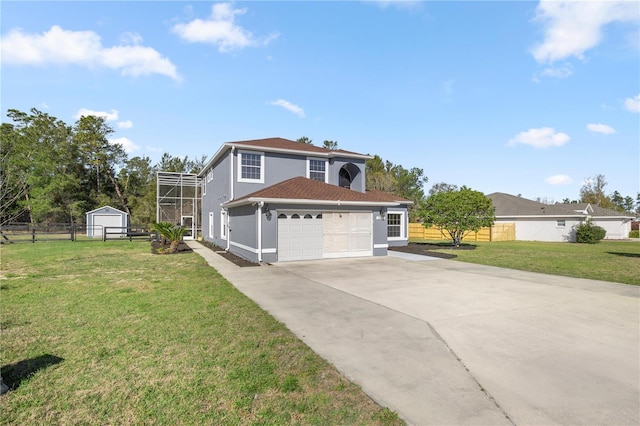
589, 233
634, 234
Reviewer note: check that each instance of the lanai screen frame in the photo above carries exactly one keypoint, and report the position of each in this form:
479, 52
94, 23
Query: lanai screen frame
177, 198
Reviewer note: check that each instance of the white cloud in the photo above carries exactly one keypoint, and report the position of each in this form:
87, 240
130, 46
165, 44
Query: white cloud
84, 48
126, 144
125, 124
400, 4
573, 27
543, 137
601, 128
108, 116
559, 180
560, 72
221, 30
632, 104
289, 107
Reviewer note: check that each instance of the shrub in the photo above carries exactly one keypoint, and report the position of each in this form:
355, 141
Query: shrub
589, 233
634, 234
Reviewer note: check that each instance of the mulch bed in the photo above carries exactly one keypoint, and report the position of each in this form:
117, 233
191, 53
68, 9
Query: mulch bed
236, 260
158, 248
426, 249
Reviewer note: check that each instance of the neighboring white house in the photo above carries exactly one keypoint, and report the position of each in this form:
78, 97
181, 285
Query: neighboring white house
104, 217
556, 222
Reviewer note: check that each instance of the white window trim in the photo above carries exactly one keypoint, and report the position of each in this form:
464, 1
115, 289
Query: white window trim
211, 225
564, 223
203, 183
403, 227
326, 168
245, 180
223, 225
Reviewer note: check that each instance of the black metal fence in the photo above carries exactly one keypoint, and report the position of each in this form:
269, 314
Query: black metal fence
31, 233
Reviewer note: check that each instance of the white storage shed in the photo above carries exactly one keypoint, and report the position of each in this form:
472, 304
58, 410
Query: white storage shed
107, 217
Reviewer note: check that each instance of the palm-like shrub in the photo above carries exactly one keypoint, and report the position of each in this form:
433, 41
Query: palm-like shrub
175, 234
170, 232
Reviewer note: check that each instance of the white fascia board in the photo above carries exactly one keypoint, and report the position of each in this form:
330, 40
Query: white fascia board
252, 200
331, 154
215, 158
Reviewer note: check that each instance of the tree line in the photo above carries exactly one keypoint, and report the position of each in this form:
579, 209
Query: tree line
54, 173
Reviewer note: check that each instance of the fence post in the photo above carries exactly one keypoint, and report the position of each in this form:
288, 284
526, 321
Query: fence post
71, 231
104, 233
33, 235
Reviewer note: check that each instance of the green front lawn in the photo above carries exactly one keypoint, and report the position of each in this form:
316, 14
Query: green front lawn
108, 333
617, 261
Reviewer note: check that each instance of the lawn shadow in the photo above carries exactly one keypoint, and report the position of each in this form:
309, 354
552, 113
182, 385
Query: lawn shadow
14, 374
617, 253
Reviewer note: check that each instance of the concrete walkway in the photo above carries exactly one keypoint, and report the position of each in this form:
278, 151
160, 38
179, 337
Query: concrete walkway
444, 342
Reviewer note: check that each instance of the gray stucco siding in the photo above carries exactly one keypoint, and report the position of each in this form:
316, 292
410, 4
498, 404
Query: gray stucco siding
405, 226
217, 192
358, 182
242, 232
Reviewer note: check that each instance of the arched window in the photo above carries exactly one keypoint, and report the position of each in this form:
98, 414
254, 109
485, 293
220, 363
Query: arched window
345, 178
319, 216
282, 216
308, 216
295, 216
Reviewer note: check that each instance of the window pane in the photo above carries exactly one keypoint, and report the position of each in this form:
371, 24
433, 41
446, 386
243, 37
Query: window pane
317, 170
394, 225
250, 166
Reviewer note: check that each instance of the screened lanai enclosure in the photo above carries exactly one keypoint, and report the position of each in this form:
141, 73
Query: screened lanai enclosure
177, 202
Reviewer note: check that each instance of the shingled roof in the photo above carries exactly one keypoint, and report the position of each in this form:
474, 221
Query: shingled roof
510, 205
289, 145
300, 190
282, 145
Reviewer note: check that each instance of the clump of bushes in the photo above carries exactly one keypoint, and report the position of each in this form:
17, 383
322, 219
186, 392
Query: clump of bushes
634, 234
589, 233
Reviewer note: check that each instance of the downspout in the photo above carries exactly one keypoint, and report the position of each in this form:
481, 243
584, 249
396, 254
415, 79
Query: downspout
259, 212
231, 160
226, 218
231, 194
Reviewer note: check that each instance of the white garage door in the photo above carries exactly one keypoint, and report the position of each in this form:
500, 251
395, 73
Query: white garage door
299, 236
347, 234
102, 221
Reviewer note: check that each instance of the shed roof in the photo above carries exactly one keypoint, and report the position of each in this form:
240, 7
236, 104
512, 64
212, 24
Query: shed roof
106, 209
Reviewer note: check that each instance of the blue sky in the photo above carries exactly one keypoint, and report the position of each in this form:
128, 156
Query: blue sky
526, 98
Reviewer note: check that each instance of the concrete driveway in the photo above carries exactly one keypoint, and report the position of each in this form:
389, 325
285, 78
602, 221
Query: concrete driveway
444, 342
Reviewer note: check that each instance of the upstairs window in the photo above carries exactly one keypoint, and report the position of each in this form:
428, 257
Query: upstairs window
251, 167
560, 223
317, 169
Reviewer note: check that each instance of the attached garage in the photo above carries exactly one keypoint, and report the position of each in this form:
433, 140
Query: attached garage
347, 234
315, 235
104, 218
300, 236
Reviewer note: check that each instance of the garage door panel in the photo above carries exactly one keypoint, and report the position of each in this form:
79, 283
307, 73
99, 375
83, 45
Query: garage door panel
348, 234
300, 238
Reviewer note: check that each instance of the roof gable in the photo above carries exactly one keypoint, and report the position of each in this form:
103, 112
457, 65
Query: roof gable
300, 189
286, 146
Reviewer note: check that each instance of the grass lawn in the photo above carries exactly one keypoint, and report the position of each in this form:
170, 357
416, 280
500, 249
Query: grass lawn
617, 261
108, 333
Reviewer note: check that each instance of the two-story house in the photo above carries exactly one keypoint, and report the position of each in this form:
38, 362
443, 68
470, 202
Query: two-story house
274, 199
